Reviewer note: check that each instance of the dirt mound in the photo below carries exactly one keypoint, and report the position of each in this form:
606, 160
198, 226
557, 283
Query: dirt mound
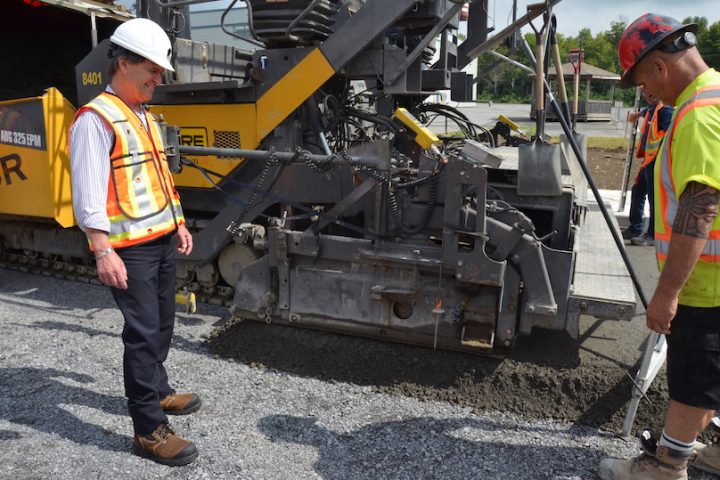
607, 166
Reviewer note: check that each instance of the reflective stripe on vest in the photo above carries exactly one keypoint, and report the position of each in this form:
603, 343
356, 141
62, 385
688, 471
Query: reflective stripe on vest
641, 145
142, 203
655, 136
666, 193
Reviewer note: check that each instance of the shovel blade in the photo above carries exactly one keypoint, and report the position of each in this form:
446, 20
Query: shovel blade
539, 170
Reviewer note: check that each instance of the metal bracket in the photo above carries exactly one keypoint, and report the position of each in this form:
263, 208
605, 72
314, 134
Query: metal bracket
278, 260
340, 207
380, 292
471, 263
395, 74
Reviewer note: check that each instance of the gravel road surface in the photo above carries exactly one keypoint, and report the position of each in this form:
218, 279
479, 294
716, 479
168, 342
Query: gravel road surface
63, 415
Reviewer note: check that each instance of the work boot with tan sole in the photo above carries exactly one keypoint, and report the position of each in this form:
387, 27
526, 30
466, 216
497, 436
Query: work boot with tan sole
180, 403
165, 447
708, 458
662, 466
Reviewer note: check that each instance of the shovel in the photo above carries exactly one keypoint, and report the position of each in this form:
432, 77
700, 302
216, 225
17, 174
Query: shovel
539, 163
559, 76
630, 154
570, 164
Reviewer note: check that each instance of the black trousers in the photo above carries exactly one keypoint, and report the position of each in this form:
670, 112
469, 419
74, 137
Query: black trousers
148, 306
644, 187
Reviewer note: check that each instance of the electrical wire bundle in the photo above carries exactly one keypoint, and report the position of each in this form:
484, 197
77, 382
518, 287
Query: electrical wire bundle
430, 112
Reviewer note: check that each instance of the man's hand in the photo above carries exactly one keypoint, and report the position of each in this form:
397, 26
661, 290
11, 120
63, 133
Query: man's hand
185, 242
660, 313
111, 271
110, 268
633, 116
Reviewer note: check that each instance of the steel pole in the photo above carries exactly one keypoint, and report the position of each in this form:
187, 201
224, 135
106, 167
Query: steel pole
629, 157
283, 156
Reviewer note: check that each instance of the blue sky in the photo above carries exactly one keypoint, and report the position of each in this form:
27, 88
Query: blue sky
573, 15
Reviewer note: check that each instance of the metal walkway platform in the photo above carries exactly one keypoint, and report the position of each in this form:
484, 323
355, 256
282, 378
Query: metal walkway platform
602, 284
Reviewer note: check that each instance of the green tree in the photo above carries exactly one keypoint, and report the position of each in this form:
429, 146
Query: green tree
701, 21
615, 32
500, 81
709, 44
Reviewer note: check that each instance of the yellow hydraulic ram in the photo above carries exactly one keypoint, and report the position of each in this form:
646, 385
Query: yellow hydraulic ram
423, 136
426, 139
187, 299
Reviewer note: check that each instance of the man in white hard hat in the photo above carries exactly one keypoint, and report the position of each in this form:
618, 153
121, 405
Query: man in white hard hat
125, 201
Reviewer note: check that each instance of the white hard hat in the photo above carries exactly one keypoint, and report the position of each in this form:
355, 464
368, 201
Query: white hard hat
147, 39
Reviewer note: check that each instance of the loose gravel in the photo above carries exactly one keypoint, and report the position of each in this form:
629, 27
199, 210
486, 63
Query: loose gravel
63, 413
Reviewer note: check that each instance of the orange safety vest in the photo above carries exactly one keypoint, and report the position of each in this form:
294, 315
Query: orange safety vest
650, 148
142, 203
668, 201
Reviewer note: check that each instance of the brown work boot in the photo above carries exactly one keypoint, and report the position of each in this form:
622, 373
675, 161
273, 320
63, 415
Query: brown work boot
163, 446
662, 466
180, 403
708, 458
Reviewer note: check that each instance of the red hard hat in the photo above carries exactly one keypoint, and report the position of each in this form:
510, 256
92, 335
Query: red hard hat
641, 36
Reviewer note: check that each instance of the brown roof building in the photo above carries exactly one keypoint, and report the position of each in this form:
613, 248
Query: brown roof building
587, 109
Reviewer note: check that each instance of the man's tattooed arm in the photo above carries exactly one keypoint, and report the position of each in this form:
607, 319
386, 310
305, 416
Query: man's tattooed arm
693, 222
697, 210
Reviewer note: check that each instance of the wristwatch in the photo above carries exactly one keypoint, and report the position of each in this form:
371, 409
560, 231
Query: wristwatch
104, 253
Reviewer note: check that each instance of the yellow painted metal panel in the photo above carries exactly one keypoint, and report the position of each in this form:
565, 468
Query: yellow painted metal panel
34, 162
59, 115
227, 125
291, 91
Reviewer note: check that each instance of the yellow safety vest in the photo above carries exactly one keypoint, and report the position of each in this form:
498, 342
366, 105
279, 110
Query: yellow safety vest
142, 203
703, 287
